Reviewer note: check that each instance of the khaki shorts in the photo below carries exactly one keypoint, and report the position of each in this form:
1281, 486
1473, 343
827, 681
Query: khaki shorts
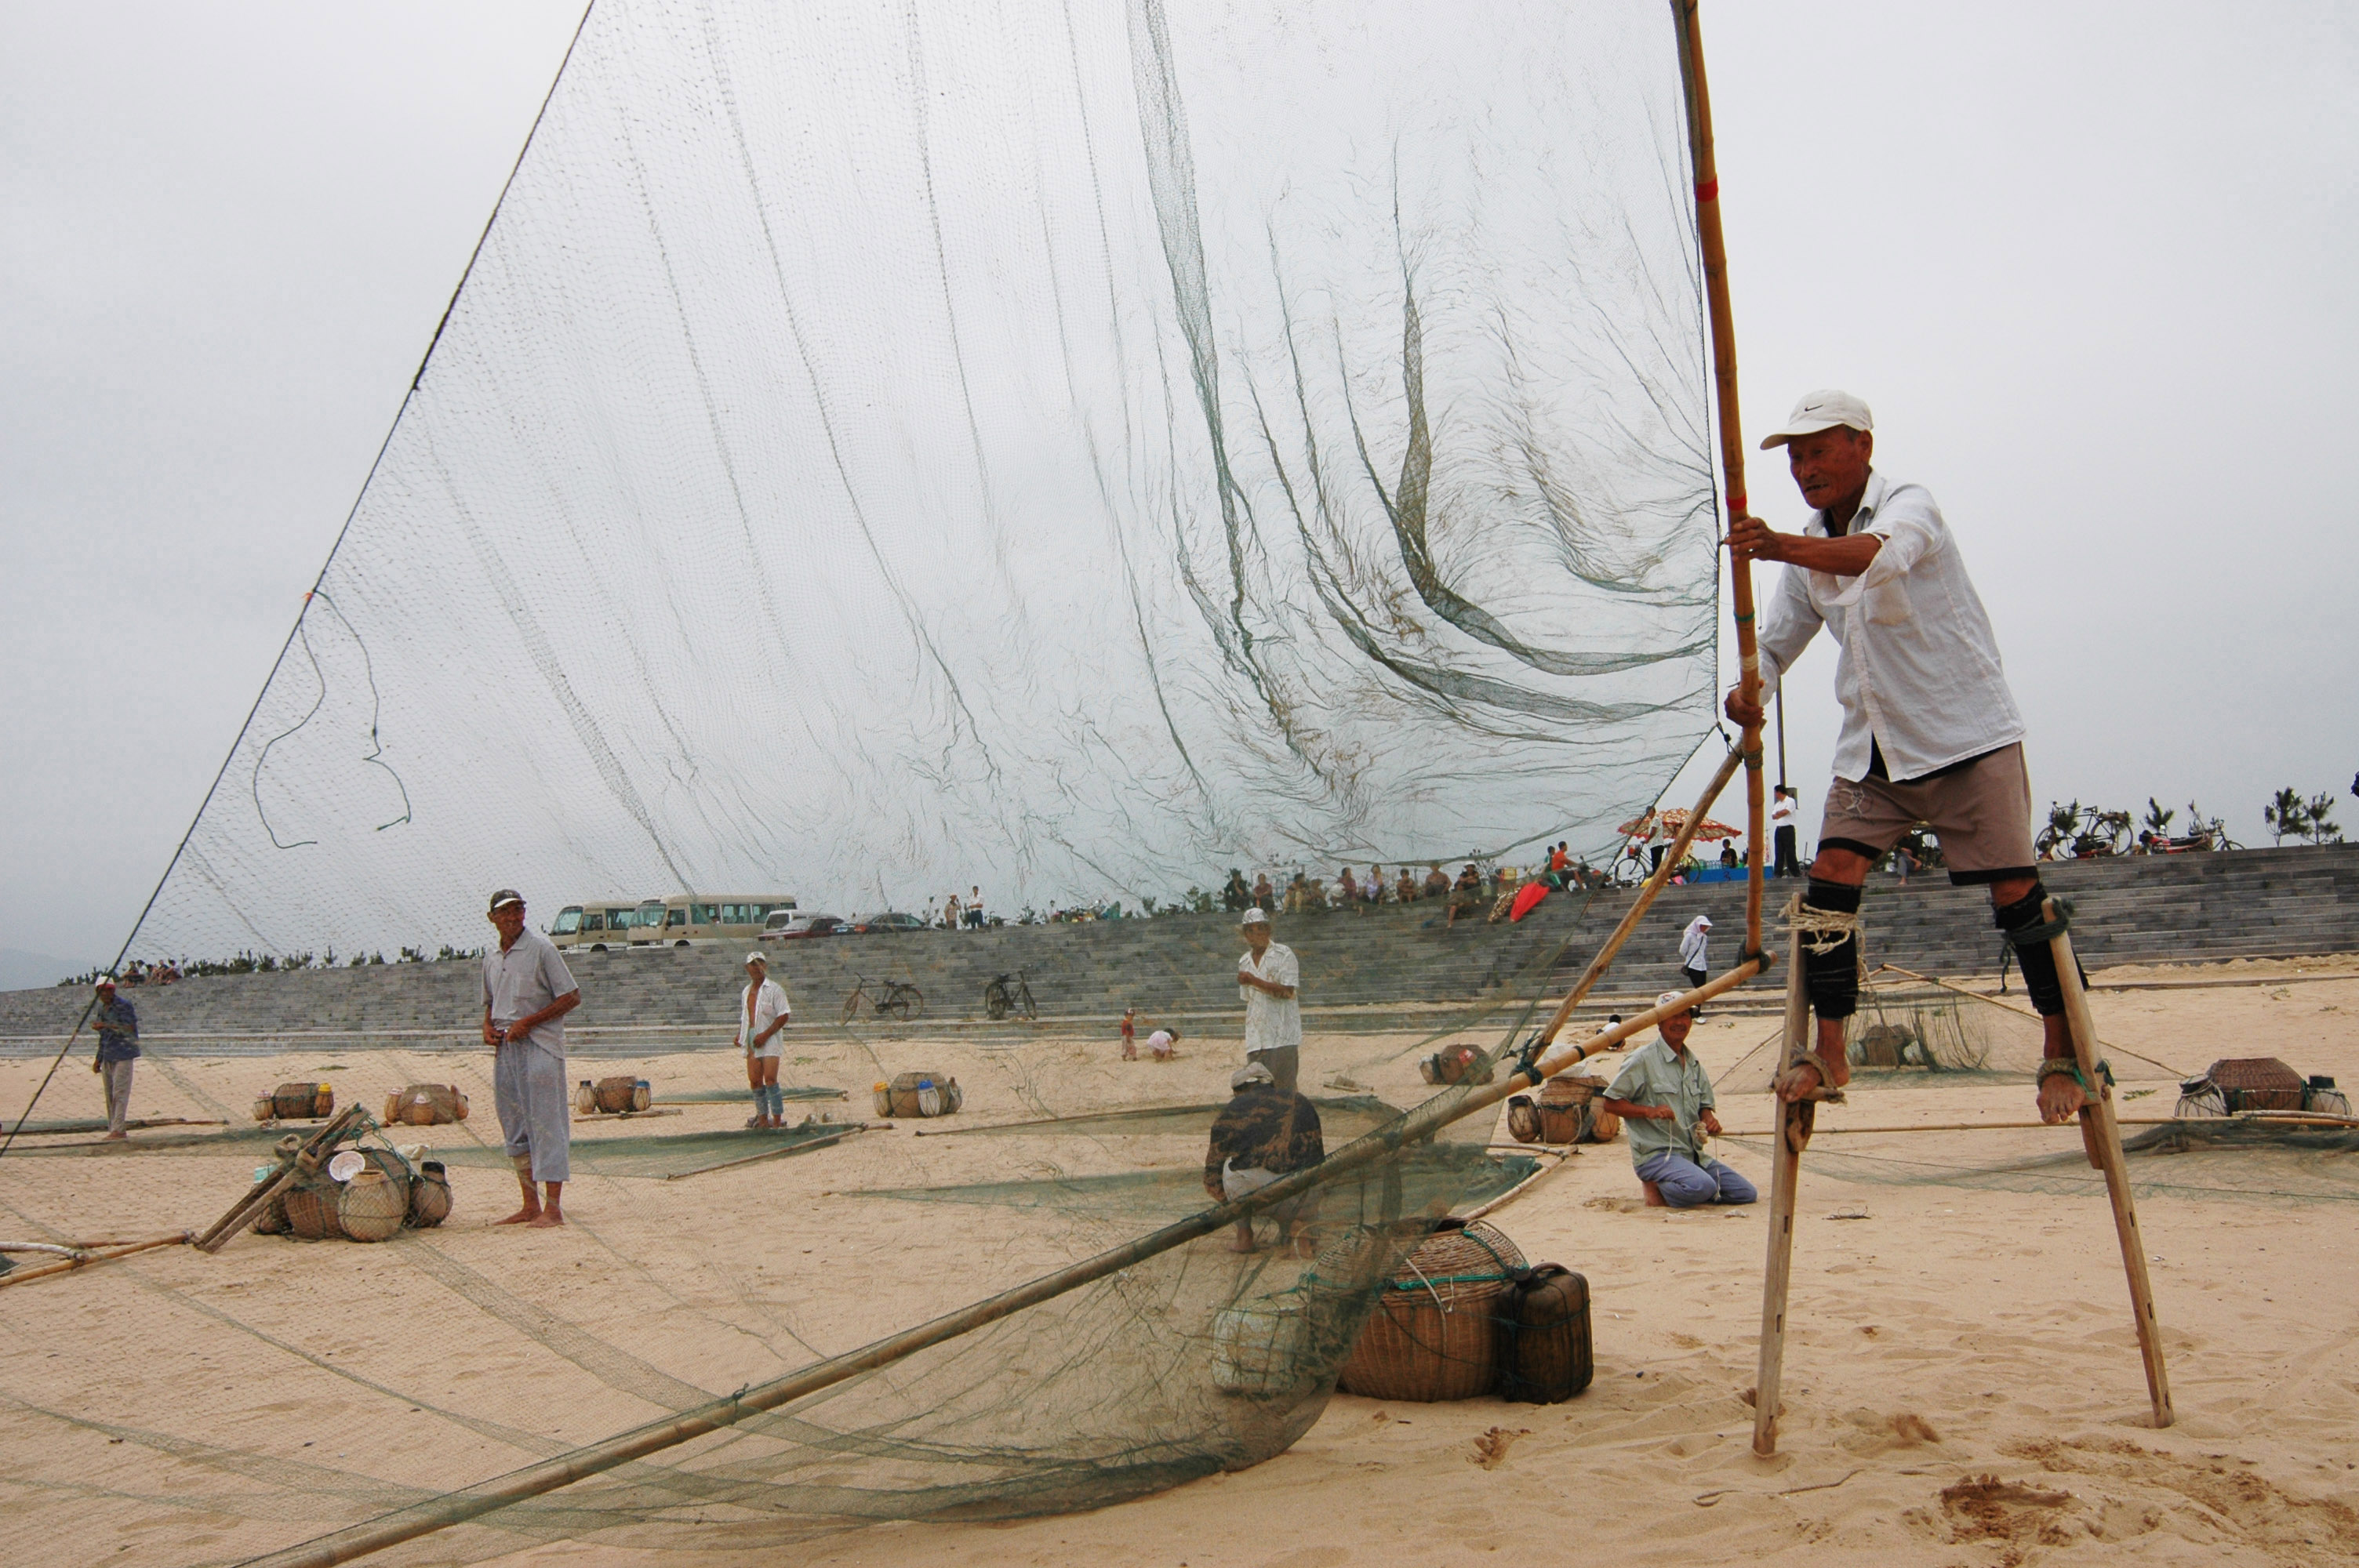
1982, 814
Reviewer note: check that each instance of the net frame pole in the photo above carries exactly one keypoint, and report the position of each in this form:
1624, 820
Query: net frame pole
2103, 1134
1673, 853
534, 1480
1785, 1177
1714, 249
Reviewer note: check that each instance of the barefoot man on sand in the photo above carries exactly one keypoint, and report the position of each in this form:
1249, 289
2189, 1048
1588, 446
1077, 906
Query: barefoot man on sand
1930, 732
527, 991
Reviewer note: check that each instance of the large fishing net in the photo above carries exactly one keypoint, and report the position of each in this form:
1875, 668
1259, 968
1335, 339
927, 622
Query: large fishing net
1064, 445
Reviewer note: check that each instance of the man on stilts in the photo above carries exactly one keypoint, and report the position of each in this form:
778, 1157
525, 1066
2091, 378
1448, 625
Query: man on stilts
1930, 732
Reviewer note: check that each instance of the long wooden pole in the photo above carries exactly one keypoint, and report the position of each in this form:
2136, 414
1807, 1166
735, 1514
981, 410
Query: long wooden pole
1673, 854
805, 1147
533, 1480
103, 1255
2103, 1136
1785, 1179
1731, 441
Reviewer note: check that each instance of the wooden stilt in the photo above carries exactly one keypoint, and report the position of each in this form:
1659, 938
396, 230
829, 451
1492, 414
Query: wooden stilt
1785, 1177
2101, 1132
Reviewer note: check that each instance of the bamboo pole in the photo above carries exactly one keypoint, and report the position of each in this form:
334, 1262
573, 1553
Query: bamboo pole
2281, 1119
103, 1255
1785, 1179
805, 1147
2105, 1139
533, 1480
1714, 248
1672, 855
301, 1160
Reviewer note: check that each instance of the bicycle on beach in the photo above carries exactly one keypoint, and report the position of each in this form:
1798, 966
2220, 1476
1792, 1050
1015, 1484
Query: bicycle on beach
886, 999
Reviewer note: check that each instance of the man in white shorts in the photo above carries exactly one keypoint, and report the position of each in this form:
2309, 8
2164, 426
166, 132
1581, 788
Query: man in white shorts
1267, 980
763, 1014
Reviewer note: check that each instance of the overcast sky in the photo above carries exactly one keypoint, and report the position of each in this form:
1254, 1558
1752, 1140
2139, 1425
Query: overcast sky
2089, 264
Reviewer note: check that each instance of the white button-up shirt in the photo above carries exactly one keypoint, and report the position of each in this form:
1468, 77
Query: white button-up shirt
1919, 674
1271, 1021
763, 1008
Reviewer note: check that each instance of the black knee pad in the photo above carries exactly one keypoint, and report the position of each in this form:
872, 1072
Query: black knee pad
1834, 973
2016, 922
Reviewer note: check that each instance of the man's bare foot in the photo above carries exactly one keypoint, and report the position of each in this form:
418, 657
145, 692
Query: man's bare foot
545, 1219
521, 1216
2061, 1099
117, 1136
1243, 1241
1819, 1070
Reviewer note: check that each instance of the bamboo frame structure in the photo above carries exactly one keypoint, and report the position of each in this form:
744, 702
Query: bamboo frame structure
100, 1255
2104, 1137
301, 1160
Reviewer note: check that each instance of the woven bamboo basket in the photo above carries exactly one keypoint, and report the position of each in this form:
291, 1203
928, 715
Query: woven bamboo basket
311, 1208
585, 1099
372, 1207
1523, 1120
293, 1101
924, 1094
430, 1197
1431, 1337
274, 1217
427, 1105
1602, 1126
615, 1094
2323, 1098
266, 1107
2257, 1083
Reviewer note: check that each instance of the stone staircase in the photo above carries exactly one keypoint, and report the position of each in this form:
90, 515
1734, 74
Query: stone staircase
1387, 967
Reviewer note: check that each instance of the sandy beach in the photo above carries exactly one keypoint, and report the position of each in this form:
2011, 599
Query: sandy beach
1962, 1379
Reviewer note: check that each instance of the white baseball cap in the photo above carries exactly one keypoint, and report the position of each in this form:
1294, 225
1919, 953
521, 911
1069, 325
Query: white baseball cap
1251, 1073
1254, 917
1820, 411
758, 959
1668, 998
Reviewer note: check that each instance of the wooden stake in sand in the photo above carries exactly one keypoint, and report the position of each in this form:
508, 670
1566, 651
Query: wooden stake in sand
1785, 1175
2103, 1136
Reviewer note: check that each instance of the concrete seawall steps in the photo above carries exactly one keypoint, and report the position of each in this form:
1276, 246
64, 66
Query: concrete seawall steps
1395, 966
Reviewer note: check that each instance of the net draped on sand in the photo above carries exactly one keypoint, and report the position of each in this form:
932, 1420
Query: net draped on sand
1073, 446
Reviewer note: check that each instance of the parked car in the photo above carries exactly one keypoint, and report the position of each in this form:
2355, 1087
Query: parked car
890, 922
790, 925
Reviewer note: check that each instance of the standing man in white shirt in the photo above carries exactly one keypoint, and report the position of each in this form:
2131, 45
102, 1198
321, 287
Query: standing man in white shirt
1267, 978
527, 991
1782, 812
1930, 732
763, 1014
1694, 960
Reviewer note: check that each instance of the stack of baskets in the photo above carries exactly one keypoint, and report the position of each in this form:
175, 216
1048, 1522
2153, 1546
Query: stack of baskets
426, 1105
613, 1095
1459, 1063
371, 1203
2238, 1084
1566, 1112
295, 1102
1431, 1335
919, 1094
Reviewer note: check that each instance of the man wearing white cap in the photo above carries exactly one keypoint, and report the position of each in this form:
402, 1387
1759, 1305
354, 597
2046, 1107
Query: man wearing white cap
1692, 943
1664, 1097
527, 991
763, 1014
1930, 732
1267, 978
